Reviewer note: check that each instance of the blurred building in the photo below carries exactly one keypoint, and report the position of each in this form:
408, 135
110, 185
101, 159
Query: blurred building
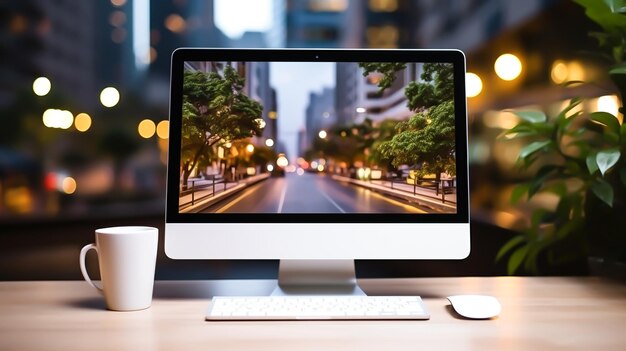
51, 39
175, 24
320, 114
258, 88
276, 36
358, 97
469, 24
351, 24
323, 24
115, 37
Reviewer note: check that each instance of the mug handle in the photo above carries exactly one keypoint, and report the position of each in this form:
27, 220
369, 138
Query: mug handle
83, 268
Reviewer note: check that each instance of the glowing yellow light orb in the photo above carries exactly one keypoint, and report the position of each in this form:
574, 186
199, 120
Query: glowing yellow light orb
146, 128
508, 67
69, 185
163, 129
82, 122
473, 84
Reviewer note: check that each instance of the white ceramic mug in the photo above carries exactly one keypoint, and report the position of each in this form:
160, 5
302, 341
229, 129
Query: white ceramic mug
127, 259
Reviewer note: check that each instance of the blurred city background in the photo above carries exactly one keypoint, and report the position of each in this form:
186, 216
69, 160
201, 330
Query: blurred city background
84, 90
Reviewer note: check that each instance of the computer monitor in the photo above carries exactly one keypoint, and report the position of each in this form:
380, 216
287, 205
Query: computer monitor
317, 158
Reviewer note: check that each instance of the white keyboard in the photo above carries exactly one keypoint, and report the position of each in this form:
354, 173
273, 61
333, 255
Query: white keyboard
316, 307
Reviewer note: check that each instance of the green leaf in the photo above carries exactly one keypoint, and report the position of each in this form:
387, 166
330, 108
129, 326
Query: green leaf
531, 116
607, 159
532, 148
572, 167
570, 83
611, 138
592, 165
559, 188
516, 259
573, 103
568, 228
519, 191
540, 179
608, 120
621, 69
533, 251
603, 190
537, 217
522, 129
602, 13
614, 5
513, 242
566, 122
622, 175
602, 37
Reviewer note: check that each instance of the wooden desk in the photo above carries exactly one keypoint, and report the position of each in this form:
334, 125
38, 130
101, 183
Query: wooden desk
537, 314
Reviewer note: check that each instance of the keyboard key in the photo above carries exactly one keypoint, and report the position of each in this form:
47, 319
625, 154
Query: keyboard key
316, 307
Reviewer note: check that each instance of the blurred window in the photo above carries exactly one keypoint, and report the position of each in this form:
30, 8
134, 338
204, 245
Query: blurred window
328, 5
317, 34
383, 5
382, 36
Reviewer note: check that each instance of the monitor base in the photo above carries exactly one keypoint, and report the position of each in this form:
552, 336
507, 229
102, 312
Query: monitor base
317, 277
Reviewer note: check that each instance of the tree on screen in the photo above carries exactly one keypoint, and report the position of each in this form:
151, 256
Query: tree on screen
426, 139
215, 110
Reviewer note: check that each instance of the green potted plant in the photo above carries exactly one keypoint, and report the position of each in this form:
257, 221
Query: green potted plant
580, 156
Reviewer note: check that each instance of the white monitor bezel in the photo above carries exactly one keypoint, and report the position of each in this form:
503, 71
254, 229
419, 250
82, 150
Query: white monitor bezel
307, 240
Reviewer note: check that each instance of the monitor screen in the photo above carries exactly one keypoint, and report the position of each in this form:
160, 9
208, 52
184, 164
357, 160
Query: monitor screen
317, 136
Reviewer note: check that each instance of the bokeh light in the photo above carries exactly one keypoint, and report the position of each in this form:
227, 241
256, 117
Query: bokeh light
82, 122
175, 23
42, 86
109, 97
559, 72
250, 148
163, 129
54, 118
269, 142
576, 71
508, 67
473, 84
608, 103
69, 185
282, 161
260, 122
322, 134
146, 128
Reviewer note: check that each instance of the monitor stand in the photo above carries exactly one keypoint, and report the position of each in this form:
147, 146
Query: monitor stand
317, 277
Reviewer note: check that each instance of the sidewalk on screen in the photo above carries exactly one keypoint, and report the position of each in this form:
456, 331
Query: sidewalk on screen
423, 197
205, 200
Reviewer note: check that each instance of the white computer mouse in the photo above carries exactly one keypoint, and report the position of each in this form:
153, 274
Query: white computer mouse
475, 306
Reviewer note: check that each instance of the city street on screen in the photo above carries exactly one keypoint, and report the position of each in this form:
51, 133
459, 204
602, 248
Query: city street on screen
318, 137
